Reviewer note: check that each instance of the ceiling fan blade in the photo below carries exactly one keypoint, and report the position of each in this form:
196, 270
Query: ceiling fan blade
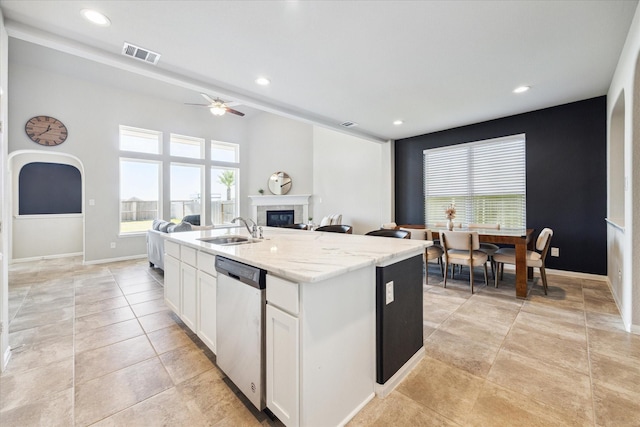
232, 111
232, 103
197, 105
208, 98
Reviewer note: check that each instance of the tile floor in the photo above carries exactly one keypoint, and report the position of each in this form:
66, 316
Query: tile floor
95, 345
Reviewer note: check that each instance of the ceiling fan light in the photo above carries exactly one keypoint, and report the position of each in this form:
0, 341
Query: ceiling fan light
217, 110
95, 17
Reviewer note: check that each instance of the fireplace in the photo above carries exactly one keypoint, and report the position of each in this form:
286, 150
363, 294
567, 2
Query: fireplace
299, 203
279, 218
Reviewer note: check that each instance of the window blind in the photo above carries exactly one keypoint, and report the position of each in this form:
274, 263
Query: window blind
484, 180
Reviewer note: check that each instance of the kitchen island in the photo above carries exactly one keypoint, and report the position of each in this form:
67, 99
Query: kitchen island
323, 292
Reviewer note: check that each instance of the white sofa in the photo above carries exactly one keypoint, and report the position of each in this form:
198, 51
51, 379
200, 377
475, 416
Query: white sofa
155, 239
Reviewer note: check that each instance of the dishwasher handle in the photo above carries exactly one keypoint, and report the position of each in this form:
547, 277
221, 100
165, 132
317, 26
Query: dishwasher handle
234, 276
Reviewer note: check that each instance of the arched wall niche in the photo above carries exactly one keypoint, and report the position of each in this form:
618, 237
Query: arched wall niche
43, 236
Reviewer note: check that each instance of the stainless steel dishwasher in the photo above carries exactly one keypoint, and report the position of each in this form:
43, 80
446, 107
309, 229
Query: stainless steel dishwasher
240, 327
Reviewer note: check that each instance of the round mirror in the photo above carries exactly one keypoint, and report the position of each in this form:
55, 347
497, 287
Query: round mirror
280, 183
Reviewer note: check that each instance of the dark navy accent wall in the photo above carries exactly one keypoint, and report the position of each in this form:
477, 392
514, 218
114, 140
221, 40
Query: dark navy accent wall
566, 176
49, 188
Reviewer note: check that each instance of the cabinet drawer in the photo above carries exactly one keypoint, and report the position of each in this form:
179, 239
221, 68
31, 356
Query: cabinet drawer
189, 256
172, 248
207, 263
283, 293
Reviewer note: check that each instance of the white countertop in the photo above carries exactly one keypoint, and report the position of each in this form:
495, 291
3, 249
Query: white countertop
306, 256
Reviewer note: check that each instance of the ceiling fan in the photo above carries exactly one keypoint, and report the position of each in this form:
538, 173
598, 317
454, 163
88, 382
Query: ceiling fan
217, 106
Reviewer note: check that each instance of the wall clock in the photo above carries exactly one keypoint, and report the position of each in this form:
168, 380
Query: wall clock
46, 130
279, 183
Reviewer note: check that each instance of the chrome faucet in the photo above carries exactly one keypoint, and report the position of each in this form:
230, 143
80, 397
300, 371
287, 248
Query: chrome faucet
254, 227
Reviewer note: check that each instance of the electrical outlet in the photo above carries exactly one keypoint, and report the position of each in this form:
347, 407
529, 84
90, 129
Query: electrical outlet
555, 251
389, 292
92, 202
113, 245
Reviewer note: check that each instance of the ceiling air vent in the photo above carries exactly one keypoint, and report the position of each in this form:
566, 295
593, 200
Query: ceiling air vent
348, 124
140, 53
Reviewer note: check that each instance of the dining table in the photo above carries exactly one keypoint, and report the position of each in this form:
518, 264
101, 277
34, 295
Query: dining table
521, 239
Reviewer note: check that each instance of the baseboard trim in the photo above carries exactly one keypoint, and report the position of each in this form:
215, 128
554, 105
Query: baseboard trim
108, 260
383, 390
356, 410
40, 258
576, 274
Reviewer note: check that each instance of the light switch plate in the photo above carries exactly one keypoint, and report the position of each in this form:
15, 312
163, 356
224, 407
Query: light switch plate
389, 288
555, 251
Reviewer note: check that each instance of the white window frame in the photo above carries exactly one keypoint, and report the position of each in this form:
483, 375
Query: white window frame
201, 167
219, 164
165, 159
485, 180
133, 131
138, 160
184, 139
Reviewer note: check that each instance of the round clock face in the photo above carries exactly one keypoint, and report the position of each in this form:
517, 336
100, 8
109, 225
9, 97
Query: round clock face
279, 183
46, 130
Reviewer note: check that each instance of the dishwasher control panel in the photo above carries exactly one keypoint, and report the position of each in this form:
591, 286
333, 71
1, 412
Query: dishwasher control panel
248, 274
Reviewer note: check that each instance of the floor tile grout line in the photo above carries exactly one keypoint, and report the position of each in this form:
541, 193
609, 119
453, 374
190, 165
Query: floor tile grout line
586, 332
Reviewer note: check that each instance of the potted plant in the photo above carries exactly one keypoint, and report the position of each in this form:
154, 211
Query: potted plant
261, 191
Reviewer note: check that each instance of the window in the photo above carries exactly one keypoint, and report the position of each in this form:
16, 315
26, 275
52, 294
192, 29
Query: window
139, 194
224, 152
224, 182
224, 196
140, 140
485, 180
200, 179
186, 146
186, 191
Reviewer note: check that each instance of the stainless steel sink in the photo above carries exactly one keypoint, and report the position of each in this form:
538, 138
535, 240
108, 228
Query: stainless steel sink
228, 240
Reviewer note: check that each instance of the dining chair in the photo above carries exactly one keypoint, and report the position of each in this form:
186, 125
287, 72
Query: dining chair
385, 232
535, 258
389, 226
336, 229
463, 248
295, 226
431, 253
489, 248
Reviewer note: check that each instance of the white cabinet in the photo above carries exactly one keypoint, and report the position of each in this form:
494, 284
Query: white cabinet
172, 283
189, 311
283, 350
207, 309
320, 348
283, 365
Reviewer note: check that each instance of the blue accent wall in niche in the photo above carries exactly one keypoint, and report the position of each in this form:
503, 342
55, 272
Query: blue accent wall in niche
49, 188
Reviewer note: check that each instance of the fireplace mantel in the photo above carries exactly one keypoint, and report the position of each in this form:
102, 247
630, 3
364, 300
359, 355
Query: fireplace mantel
295, 200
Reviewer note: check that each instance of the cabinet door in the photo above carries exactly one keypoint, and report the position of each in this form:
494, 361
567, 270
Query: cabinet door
283, 366
172, 283
207, 309
189, 311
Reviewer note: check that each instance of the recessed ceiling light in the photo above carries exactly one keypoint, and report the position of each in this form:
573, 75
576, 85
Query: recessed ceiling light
95, 17
263, 81
521, 89
398, 122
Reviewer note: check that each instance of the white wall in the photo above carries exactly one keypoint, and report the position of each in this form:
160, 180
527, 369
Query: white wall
278, 144
351, 177
623, 238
